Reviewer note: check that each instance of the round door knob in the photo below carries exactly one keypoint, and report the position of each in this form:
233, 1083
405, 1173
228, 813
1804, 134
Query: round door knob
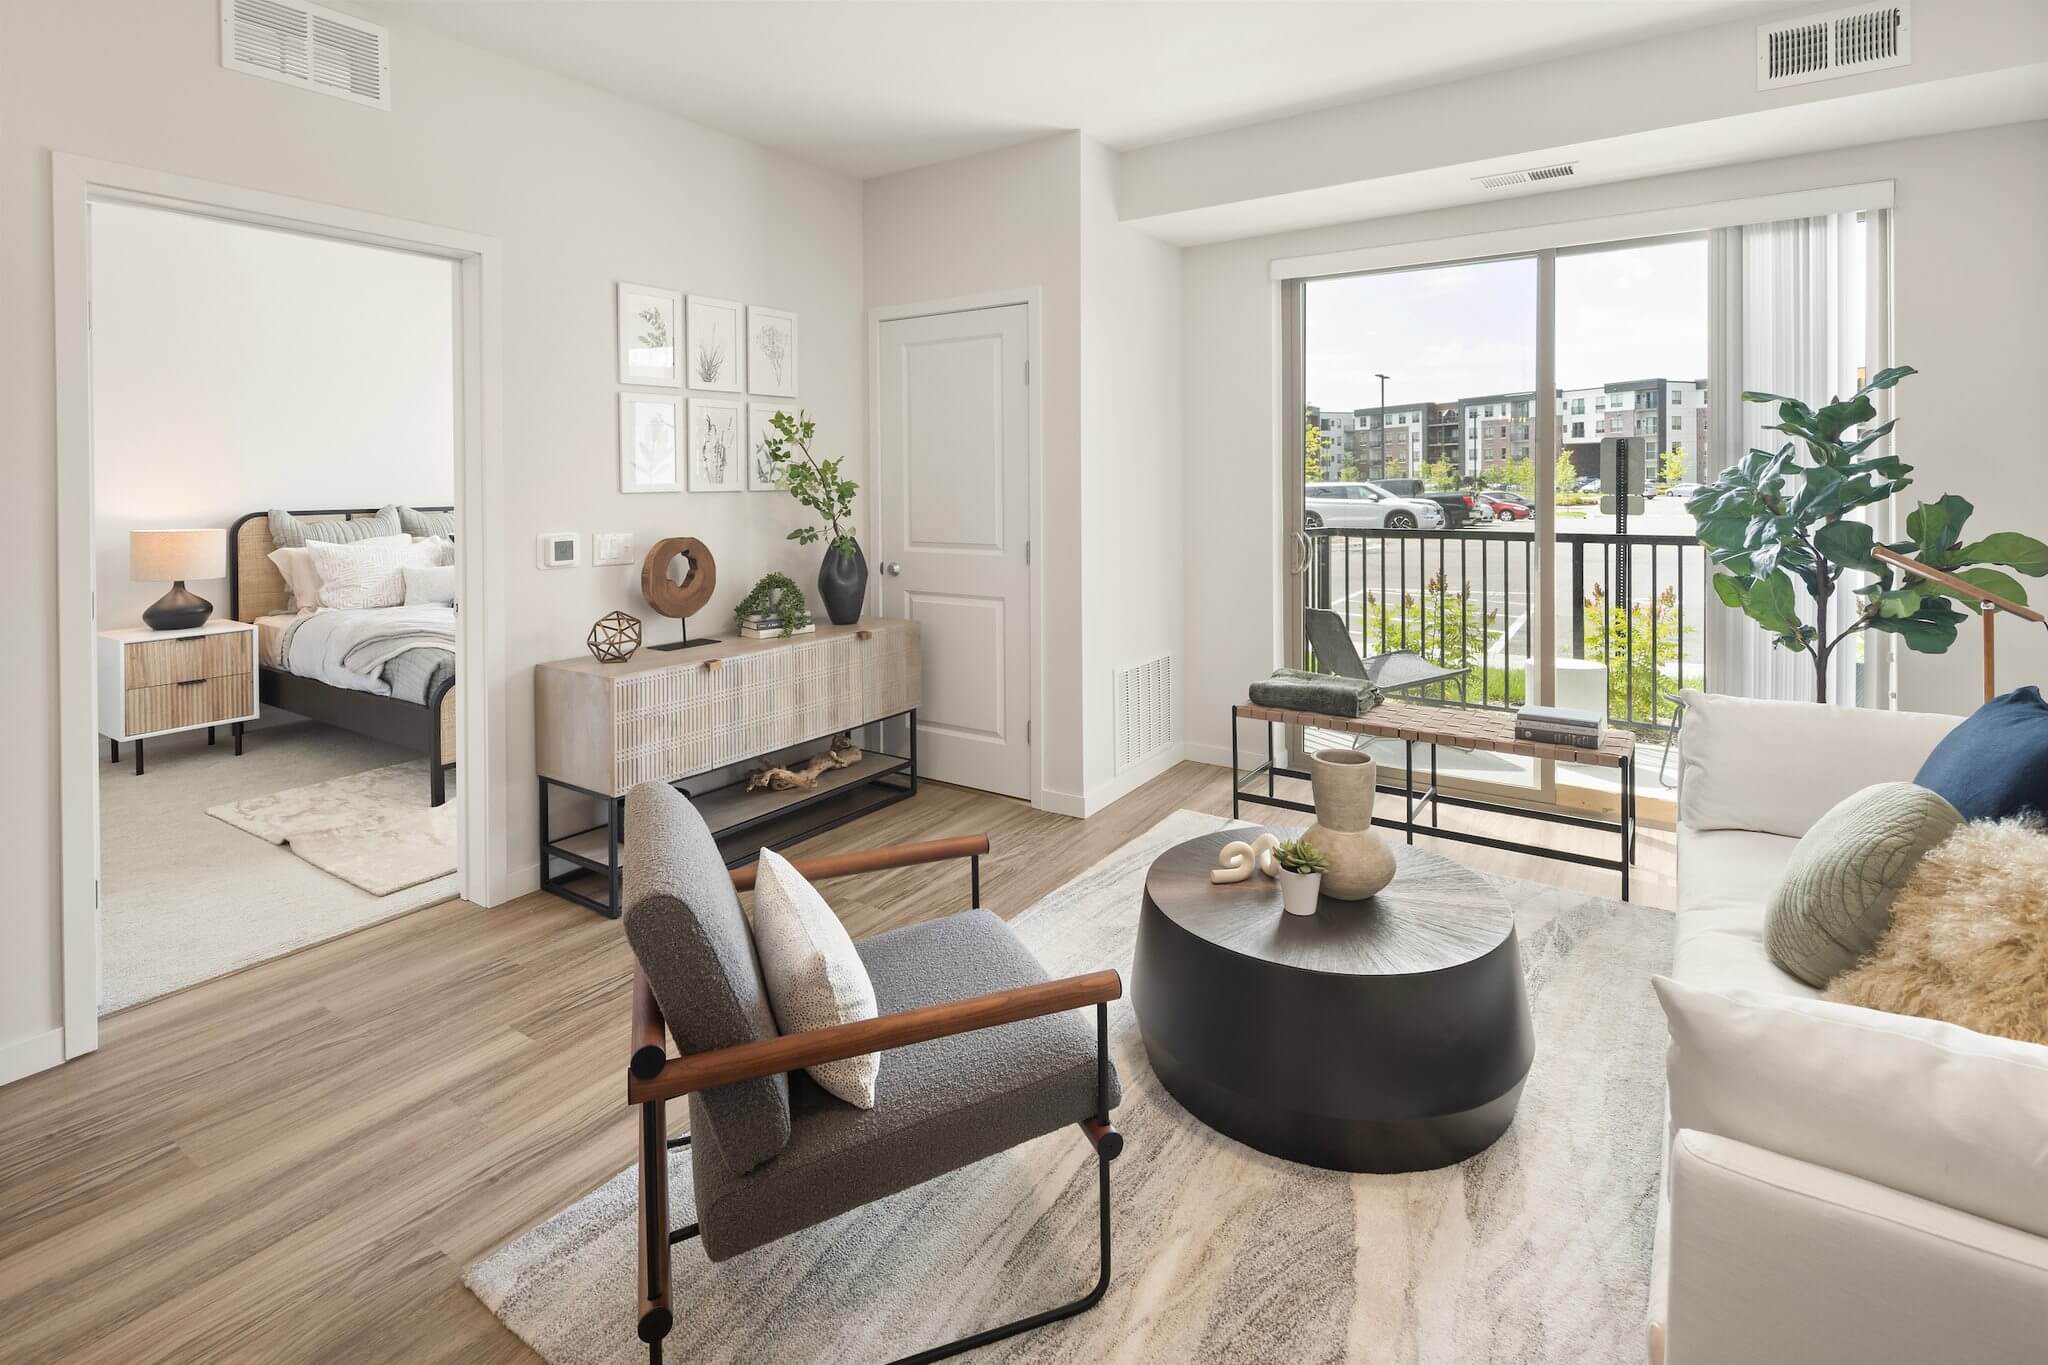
892, 569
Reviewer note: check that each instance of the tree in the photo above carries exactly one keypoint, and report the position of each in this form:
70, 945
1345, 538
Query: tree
1314, 443
1519, 474
1671, 465
1440, 474
1566, 474
1774, 519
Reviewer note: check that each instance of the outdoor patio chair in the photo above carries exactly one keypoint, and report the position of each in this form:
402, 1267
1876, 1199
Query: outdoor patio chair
1396, 670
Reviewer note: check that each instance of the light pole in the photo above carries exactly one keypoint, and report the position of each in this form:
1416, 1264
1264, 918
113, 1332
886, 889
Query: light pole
1383, 424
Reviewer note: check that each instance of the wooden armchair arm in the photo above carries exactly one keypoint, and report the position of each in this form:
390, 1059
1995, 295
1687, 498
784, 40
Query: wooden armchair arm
678, 1076
874, 859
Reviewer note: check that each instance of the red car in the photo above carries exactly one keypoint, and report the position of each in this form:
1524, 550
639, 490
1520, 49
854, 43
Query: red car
1506, 506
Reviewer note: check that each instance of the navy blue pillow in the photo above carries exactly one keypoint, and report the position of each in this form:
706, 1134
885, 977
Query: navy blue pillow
1995, 763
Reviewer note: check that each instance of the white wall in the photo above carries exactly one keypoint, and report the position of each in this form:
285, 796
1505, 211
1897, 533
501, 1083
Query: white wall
1970, 287
236, 369
1131, 467
583, 189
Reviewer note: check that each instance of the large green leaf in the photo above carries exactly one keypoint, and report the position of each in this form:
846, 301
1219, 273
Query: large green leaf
1849, 542
1752, 396
1991, 580
1836, 418
2023, 553
1898, 603
1773, 605
1921, 634
1869, 438
1936, 526
1729, 590
1887, 377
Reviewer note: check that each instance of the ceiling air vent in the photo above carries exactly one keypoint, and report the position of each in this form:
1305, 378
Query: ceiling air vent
1562, 170
1843, 42
307, 46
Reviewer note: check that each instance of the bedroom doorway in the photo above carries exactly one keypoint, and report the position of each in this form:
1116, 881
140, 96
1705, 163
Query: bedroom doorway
273, 423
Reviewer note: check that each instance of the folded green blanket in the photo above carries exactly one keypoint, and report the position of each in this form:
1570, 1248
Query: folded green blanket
1326, 694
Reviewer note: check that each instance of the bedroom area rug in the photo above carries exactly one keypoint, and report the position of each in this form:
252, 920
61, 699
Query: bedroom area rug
187, 896
1537, 1250
373, 829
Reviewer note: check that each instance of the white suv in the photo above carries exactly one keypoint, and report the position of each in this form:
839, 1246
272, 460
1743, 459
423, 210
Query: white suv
1351, 505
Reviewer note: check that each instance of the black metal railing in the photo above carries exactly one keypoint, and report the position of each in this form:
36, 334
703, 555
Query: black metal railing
1467, 598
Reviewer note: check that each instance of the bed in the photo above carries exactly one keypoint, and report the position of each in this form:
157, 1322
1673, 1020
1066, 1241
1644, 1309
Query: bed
419, 715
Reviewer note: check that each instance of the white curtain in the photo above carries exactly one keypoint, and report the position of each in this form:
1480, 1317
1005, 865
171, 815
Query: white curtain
1791, 314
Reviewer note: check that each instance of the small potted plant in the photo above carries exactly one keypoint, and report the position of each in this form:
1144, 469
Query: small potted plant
774, 607
1301, 876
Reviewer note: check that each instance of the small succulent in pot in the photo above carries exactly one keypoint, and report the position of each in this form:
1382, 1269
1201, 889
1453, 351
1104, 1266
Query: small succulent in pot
1302, 865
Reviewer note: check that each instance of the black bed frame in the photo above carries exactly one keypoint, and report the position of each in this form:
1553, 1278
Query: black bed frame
404, 723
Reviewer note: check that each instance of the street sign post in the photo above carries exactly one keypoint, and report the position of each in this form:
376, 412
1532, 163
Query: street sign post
1623, 474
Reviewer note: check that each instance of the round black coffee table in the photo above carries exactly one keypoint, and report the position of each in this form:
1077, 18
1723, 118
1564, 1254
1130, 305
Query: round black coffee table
1389, 1034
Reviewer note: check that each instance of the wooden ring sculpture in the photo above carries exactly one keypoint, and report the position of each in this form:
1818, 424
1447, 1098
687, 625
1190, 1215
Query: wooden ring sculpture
663, 593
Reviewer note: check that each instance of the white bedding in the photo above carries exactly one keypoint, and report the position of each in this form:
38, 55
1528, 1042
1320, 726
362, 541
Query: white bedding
350, 648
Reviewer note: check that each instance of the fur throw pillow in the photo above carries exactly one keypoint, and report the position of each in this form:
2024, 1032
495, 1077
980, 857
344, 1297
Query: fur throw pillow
1968, 941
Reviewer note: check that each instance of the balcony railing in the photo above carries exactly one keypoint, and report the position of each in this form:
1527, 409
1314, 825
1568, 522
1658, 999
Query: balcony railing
1467, 599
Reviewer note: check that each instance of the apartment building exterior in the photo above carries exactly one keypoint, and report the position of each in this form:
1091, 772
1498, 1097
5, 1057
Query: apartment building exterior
1392, 441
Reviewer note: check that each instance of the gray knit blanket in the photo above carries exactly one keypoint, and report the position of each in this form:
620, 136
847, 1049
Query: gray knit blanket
1325, 694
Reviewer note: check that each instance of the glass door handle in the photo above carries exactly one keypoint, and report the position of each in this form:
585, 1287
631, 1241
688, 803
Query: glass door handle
1301, 545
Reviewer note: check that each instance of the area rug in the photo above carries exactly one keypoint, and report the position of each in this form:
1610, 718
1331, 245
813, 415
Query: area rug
374, 829
1537, 1250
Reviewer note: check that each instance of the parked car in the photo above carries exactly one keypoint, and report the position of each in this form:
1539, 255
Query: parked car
1591, 485
1400, 488
1507, 506
1459, 508
1680, 490
1347, 506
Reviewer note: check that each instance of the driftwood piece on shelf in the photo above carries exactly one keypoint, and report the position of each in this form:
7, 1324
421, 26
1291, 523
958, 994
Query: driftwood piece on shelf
844, 753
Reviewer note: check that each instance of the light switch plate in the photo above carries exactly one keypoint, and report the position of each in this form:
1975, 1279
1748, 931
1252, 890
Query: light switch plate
559, 549
611, 547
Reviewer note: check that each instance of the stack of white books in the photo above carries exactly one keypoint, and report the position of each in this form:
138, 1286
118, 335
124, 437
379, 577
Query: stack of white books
1560, 725
762, 627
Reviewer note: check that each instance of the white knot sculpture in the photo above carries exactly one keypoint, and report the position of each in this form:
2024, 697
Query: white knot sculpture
1237, 859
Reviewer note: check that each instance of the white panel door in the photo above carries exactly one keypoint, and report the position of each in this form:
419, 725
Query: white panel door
952, 514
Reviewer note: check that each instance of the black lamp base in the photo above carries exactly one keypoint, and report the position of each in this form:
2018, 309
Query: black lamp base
177, 610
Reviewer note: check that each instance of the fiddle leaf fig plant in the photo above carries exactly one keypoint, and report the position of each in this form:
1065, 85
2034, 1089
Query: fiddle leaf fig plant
813, 482
1779, 520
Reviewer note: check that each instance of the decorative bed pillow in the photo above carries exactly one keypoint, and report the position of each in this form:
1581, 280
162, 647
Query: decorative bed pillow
302, 579
1836, 898
815, 978
370, 574
1995, 764
432, 586
289, 532
417, 523
1968, 941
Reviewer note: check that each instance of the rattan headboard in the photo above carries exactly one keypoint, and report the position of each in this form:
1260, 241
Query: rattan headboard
255, 586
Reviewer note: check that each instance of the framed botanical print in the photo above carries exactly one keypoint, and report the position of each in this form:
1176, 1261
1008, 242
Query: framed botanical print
650, 336
649, 443
761, 476
714, 358
771, 351
717, 456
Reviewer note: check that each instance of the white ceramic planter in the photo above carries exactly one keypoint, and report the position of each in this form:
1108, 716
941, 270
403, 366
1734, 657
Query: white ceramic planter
1299, 891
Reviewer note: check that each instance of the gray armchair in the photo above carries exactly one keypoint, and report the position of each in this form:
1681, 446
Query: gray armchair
981, 1053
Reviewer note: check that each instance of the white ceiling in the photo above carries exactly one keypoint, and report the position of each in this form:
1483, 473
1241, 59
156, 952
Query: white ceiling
870, 88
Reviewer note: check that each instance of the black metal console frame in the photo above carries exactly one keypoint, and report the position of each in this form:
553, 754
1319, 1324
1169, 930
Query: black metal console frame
1624, 826
898, 779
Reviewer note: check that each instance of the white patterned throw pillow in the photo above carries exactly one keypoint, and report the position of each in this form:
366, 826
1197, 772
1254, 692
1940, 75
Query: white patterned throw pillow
815, 979
369, 573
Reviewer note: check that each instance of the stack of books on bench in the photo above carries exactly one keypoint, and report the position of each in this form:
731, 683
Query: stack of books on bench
764, 627
1560, 725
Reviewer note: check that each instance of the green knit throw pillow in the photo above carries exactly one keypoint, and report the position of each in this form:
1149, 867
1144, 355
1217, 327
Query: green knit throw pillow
1836, 899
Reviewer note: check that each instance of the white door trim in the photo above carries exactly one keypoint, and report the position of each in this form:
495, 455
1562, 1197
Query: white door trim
1033, 300
483, 860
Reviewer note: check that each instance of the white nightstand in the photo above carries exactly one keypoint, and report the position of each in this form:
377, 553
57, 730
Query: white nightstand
158, 682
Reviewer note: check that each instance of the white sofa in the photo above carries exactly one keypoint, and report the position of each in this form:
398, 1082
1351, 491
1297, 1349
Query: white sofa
1762, 1253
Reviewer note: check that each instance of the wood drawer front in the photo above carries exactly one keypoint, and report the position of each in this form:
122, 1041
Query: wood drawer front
159, 663
173, 706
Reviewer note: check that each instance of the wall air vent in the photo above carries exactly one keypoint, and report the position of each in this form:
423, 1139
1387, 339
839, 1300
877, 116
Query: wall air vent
1843, 42
304, 45
1144, 710
1562, 170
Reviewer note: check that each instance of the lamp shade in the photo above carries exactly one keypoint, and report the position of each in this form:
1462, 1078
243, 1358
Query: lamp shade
173, 556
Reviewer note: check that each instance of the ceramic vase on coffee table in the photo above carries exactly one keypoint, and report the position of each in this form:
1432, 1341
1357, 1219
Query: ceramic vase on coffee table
1361, 864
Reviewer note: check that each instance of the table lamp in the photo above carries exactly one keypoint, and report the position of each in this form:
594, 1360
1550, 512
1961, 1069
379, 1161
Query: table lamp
155, 556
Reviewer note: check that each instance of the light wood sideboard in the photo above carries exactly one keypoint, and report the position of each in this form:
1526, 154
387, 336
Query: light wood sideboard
601, 729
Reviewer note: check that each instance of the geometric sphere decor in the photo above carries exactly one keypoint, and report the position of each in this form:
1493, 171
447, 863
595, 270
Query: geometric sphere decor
615, 638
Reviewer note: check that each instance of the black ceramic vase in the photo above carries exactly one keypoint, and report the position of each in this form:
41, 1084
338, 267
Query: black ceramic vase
843, 583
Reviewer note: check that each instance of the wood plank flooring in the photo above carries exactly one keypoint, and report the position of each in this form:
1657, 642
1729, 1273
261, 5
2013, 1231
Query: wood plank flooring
296, 1162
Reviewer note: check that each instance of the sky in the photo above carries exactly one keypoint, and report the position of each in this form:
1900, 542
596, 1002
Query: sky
1459, 331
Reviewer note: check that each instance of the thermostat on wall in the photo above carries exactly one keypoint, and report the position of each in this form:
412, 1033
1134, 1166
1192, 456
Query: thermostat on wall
560, 550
